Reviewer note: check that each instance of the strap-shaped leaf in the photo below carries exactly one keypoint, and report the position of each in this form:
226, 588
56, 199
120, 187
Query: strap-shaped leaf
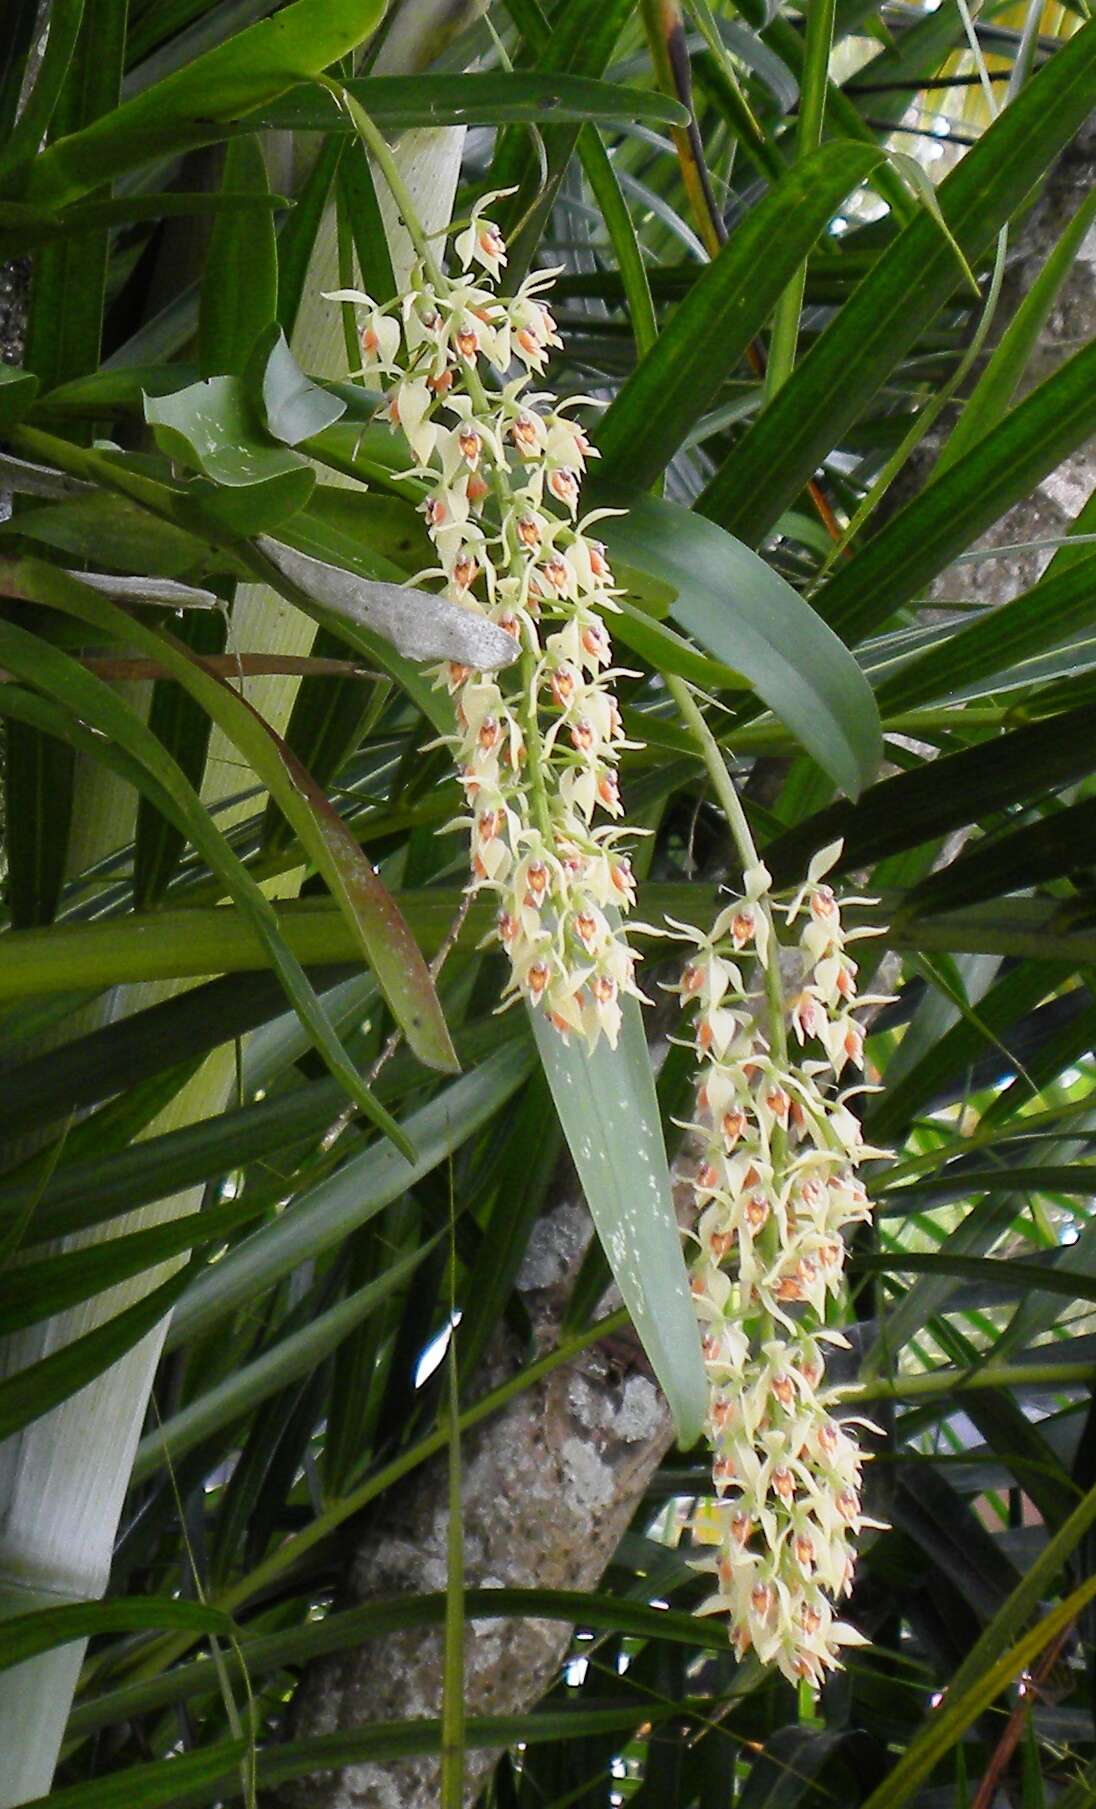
28, 1634
189, 107
126, 744
681, 377
399, 102
608, 1108
905, 291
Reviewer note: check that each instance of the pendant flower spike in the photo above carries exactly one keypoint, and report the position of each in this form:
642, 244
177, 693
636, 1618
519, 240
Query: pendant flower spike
502, 468
537, 749
774, 1189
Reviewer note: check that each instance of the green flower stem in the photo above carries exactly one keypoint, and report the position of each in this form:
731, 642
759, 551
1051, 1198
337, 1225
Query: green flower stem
954, 1381
377, 145
529, 717
724, 787
725, 791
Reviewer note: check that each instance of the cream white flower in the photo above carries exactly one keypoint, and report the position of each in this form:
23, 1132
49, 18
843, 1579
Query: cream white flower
536, 751
775, 1188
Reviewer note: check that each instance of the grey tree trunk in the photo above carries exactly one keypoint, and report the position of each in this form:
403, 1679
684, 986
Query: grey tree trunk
549, 1486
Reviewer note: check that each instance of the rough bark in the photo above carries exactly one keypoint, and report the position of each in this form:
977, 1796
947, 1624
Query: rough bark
549, 1486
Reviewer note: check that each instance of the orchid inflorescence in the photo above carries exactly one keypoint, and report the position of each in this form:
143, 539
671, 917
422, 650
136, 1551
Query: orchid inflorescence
502, 467
774, 1188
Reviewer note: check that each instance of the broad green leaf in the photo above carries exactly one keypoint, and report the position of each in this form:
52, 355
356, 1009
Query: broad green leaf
681, 377
493, 98
28, 1634
190, 107
910, 283
239, 291
609, 1112
210, 428
291, 407
744, 613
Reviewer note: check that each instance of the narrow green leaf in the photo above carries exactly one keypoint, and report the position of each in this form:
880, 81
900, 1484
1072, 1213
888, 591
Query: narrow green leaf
24, 229
33, 1391
992, 395
249, 1384
18, 389
722, 313
383, 937
942, 795
993, 1271
360, 210
129, 745
28, 1634
913, 279
239, 291
493, 98
358, 1190
338, 1632
997, 642
214, 1773
183, 729
37, 1290
297, 236
609, 1112
1056, 845
965, 1700
1000, 471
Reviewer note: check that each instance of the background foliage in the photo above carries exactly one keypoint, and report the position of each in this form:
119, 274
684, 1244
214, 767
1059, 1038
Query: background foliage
777, 308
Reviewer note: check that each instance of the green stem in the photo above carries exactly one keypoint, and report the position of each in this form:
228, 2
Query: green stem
723, 785
955, 1381
378, 147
